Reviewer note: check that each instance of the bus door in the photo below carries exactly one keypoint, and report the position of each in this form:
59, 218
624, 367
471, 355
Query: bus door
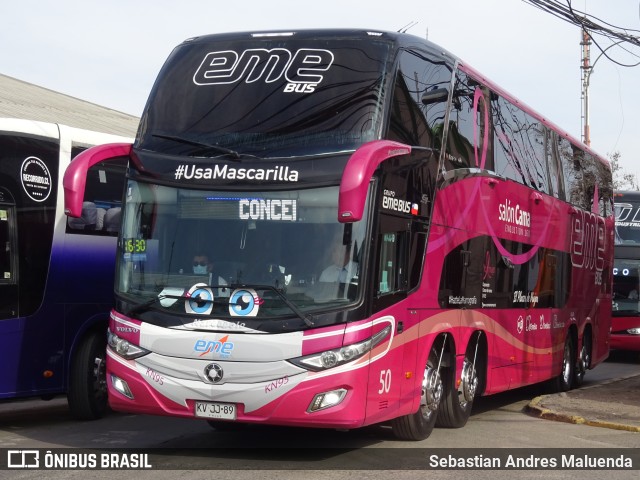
398, 252
389, 288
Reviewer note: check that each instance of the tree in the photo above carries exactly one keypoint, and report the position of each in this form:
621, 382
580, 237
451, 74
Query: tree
622, 180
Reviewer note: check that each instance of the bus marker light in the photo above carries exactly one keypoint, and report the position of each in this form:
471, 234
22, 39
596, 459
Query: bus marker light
326, 400
121, 386
47, 374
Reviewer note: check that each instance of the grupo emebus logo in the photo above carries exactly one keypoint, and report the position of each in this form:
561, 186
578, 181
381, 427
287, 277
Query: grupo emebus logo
301, 69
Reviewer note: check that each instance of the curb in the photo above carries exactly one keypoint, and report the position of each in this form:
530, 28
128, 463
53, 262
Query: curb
536, 408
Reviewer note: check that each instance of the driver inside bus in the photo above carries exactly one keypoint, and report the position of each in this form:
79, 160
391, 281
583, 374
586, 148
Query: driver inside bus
342, 269
201, 264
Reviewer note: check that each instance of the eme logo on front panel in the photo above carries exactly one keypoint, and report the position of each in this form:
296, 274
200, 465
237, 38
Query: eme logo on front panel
302, 69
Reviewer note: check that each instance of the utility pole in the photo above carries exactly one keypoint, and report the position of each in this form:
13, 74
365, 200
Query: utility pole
586, 73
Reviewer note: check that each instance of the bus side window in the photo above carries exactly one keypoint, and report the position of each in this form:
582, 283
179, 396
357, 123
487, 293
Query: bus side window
520, 145
572, 162
470, 134
88, 219
392, 273
556, 173
390, 268
102, 200
411, 121
597, 195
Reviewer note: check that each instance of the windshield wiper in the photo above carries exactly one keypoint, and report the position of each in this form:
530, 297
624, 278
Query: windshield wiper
207, 146
306, 318
140, 307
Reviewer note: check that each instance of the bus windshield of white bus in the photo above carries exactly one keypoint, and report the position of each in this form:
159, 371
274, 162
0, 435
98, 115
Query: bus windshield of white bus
284, 249
255, 97
626, 269
627, 223
626, 286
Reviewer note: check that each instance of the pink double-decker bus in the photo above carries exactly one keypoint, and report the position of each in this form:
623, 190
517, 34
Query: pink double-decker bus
338, 228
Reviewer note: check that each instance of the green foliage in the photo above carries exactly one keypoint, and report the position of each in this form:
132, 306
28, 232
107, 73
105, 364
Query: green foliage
622, 180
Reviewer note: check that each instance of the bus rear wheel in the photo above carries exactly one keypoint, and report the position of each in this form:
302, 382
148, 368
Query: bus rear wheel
87, 395
419, 425
564, 380
583, 361
458, 400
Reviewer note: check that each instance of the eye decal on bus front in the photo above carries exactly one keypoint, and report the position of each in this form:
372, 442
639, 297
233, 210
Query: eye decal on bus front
200, 301
244, 302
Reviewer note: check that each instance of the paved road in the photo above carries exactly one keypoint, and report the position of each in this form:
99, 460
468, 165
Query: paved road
496, 422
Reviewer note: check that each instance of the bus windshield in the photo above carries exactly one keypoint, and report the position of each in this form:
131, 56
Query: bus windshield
626, 270
627, 223
626, 286
252, 96
285, 250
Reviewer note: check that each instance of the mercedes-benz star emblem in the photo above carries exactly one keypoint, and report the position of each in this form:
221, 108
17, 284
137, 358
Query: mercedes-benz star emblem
213, 372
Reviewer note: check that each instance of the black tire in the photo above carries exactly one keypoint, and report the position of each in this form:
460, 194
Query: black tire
583, 361
419, 425
87, 395
456, 406
564, 380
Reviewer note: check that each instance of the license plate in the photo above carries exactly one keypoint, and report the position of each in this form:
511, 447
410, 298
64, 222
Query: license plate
223, 411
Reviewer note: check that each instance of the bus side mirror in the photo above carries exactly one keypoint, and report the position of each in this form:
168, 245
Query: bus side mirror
357, 175
75, 176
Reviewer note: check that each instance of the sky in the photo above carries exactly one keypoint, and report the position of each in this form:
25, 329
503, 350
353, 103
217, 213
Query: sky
109, 52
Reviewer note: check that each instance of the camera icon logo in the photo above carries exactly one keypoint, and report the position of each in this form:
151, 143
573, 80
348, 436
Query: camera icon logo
23, 459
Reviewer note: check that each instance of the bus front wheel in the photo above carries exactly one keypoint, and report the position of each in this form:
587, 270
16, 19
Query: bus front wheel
87, 395
419, 425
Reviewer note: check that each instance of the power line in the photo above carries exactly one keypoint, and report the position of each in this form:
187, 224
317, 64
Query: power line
597, 28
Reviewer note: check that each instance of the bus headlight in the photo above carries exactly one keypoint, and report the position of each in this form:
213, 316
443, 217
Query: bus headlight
124, 348
334, 358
